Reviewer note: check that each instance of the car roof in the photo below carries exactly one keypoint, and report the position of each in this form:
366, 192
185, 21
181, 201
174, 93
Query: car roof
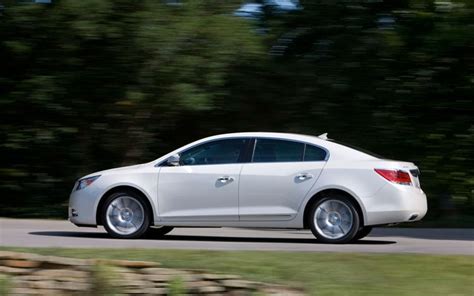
278, 135
336, 151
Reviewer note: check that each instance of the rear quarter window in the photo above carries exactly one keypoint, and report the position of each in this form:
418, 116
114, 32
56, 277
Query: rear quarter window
313, 153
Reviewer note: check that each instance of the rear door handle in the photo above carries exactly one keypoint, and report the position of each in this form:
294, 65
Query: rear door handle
304, 176
225, 179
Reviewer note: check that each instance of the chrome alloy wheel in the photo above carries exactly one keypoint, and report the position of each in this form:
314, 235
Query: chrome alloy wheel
333, 219
125, 215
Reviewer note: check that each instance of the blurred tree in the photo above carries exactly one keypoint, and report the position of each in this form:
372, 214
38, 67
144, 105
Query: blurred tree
398, 76
93, 84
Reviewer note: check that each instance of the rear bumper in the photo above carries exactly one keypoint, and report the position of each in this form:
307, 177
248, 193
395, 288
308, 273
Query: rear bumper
395, 204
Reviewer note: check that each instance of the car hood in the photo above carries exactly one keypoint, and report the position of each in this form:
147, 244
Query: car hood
115, 170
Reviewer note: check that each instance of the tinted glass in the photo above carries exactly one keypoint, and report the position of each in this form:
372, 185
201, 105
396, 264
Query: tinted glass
269, 150
216, 152
313, 153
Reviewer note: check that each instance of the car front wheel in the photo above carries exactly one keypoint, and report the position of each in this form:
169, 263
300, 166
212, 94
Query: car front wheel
126, 215
334, 219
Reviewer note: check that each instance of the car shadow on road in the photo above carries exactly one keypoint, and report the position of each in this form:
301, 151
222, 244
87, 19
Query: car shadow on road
264, 239
203, 238
459, 234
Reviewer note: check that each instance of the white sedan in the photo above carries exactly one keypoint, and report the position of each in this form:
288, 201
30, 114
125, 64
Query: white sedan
272, 180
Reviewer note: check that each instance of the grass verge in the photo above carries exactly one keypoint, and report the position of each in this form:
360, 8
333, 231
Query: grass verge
317, 273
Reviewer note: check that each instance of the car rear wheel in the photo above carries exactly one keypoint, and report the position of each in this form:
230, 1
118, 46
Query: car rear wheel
126, 215
159, 231
334, 219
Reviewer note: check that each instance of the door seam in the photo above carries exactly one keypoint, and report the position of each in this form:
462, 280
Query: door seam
238, 193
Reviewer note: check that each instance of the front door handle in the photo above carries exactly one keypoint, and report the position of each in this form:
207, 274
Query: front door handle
304, 176
225, 179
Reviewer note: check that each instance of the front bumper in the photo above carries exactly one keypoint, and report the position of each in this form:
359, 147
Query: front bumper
82, 206
395, 203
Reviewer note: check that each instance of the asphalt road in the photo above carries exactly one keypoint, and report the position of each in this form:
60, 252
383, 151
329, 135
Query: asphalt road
50, 233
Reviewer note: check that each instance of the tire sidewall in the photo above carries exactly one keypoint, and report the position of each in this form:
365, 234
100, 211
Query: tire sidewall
355, 220
159, 232
363, 232
146, 219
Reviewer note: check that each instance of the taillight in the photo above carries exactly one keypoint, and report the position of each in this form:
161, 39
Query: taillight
395, 176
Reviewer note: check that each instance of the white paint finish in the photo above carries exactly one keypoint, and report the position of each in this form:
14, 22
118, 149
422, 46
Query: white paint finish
268, 195
86, 201
356, 176
200, 192
275, 191
395, 203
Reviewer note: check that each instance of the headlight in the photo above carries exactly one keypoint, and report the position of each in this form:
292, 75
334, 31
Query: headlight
83, 183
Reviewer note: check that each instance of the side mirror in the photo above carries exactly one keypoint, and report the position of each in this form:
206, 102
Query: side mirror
173, 160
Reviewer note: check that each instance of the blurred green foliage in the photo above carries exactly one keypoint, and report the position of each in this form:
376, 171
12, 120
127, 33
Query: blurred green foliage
5, 284
94, 84
176, 287
104, 281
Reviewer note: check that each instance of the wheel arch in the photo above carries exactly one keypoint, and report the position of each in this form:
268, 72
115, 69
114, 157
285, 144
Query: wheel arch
120, 188
329, 191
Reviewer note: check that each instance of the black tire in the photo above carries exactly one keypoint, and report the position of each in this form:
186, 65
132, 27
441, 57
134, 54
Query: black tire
157, 232
363, 232
352, 229
141, 230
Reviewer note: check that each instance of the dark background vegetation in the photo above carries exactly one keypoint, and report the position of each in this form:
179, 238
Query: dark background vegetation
93, 84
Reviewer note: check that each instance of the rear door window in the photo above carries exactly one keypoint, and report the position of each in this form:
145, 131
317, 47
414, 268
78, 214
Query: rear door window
273, 150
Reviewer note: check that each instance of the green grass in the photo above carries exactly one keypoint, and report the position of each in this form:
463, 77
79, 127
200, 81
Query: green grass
317, 273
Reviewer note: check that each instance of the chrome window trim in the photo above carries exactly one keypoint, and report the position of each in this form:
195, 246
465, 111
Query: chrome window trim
163, 162
326, 158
